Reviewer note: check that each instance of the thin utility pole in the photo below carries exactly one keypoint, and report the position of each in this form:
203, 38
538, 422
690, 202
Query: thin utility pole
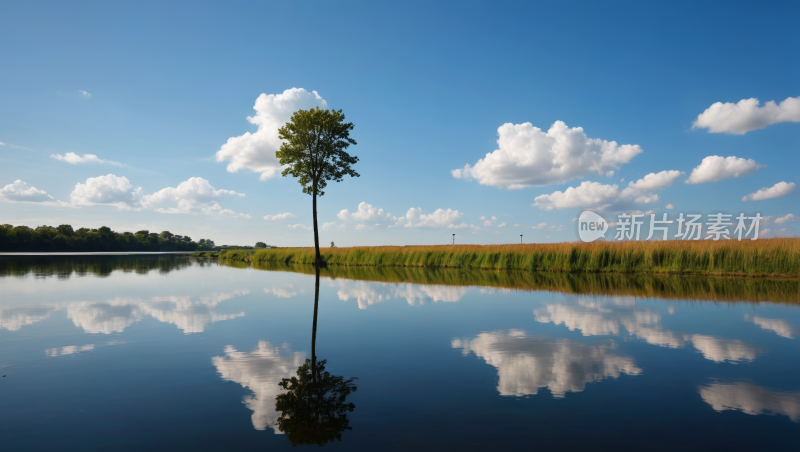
454, 239
520, 239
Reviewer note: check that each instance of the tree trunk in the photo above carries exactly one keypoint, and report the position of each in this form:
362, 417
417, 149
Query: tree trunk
318, 260
314, 331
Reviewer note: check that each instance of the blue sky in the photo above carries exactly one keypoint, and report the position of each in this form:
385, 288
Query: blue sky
155, 89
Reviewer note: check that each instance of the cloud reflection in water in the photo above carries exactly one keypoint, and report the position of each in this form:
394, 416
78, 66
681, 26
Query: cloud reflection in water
369, 293
778, 326
608, 316
260, 371
113, 316
526, 363
751, 399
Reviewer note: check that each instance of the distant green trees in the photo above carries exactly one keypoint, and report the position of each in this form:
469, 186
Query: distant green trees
65, 238
261, 245
205, 245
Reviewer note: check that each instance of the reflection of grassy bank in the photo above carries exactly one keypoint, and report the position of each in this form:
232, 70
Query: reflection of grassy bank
685, 287
760, 257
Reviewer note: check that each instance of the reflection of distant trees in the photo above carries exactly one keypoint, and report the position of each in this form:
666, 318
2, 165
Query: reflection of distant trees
96, 265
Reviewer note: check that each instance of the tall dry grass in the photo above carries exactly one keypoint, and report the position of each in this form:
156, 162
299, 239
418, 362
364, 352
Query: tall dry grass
778, 256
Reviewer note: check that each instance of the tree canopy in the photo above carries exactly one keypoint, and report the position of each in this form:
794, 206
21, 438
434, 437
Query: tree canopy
314, 151
65, 238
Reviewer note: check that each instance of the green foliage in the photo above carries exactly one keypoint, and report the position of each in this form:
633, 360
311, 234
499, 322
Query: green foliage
314, 151
313, 410
64, 238
261, 245
205, 244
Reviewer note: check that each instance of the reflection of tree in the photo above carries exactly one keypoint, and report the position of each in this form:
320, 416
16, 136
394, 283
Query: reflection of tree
314, 408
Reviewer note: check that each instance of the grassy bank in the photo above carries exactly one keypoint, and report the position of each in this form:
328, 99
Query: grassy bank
780, 256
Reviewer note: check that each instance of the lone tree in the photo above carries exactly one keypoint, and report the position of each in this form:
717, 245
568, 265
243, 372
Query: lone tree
315, 154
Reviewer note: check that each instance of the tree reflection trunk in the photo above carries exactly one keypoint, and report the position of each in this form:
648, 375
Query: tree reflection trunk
314, 329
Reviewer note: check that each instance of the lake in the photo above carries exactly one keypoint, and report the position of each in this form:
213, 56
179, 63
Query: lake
135, 352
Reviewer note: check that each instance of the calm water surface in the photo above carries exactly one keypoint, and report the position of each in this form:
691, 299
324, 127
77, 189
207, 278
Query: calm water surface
164, 352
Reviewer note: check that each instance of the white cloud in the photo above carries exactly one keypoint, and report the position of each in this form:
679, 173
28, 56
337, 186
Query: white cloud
776, 191
85, 93
502, 225
657, 181
13, 318
608, 197
333, 226
367, 294
366, 213
109, 189
746, 115
256, 151
73, 158
260, 371
300, 226
788, 218
528, 156
609, 316
557, 228
286, 291
751, 399
488, 221
715, 167
115, 315
280, 216
778, 326
2, 144
20, 191
414, 218
539, 226
721, 350
195, 195
526, 363
670, 206
587, 194
68, 350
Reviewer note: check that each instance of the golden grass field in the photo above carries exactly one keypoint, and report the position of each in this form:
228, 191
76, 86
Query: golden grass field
775, 256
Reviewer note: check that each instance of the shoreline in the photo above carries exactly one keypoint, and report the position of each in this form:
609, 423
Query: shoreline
775, 258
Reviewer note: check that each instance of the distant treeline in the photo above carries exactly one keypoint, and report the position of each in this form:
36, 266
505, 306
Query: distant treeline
65, 238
